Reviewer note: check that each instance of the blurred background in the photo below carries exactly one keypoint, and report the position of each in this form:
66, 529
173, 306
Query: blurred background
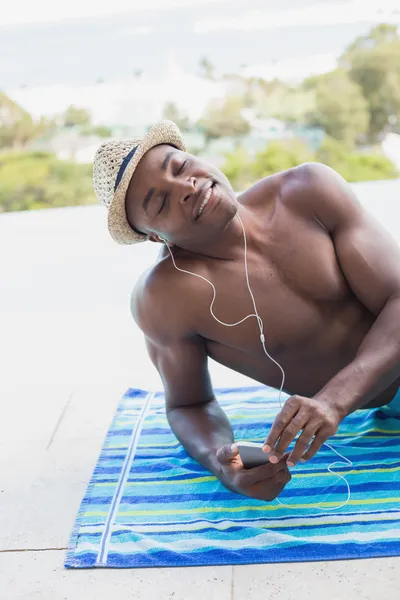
257, 87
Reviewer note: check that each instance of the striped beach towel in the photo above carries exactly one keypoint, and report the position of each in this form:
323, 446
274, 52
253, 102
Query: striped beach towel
149, 504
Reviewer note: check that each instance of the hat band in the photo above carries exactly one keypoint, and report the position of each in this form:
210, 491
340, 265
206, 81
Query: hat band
123, 166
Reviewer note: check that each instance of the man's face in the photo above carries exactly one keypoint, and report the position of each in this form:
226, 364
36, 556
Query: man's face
167, 192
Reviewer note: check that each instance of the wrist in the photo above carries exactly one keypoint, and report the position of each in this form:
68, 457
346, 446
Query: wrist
212, 463
349, 390
337, 403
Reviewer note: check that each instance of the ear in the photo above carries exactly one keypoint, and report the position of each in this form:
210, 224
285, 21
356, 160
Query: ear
153, 237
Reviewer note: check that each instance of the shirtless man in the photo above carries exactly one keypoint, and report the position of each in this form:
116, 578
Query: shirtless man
326, 280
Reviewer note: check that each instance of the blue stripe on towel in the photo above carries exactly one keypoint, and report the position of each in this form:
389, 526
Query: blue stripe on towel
149, 504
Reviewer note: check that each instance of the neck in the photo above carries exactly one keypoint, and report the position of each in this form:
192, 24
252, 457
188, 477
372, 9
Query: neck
230, 243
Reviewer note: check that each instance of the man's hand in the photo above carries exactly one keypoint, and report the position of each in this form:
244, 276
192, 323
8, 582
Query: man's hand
315, 418
263, 483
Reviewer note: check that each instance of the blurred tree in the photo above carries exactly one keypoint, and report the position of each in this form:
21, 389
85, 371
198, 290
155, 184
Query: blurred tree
332, 153
174, 113
373, 61
280, 155
207, 69
242, 171
32, 180
224, 119
340, 107
46, 126
76, 116
16, 125
355, 166
293, 106
238, 169
101, 131
380, 34
279, 100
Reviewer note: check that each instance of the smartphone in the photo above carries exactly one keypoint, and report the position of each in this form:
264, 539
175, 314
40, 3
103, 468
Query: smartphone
252, 454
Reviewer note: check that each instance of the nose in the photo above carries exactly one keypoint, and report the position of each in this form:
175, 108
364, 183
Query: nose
188, 187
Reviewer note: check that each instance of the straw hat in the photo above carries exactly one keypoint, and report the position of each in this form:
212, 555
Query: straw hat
114, 165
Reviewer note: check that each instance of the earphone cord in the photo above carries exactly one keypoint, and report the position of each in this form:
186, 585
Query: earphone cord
262, 338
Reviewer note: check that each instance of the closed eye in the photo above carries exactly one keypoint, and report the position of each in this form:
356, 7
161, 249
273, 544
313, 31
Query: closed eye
164, 203
182, 167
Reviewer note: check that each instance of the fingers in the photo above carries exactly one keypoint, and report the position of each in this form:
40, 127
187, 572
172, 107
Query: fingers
301, 445
264, 482
282, 420
226, 453
288, 436
319, 439
283, 476
269, 490
263, 472
246, 479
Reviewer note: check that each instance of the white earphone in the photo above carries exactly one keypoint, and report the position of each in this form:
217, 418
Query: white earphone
262, 338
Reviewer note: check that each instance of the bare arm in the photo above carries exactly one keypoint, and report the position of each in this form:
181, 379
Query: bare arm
370, 261
193, 412
180, 357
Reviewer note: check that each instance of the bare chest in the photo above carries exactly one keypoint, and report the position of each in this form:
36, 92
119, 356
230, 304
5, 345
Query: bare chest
296, 288
307, 309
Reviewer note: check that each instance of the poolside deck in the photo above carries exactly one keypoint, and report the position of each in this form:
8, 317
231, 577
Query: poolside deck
69, 349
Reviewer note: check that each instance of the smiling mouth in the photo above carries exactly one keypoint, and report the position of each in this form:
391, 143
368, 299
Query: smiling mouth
205, 201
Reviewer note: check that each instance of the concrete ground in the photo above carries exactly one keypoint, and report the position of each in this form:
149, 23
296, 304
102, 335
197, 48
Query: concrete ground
68, 350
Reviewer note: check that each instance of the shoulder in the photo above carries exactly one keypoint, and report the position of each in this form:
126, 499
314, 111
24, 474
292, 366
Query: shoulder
160, 301
264, 191
152, 297
310, 175
317, 191
303, 189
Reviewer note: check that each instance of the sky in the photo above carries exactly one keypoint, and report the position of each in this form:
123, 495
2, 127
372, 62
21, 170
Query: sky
288, 12
289, 39
41, 11
320, 12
